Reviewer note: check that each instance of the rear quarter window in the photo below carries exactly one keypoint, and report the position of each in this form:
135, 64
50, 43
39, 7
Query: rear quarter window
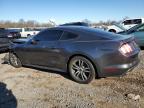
68, 36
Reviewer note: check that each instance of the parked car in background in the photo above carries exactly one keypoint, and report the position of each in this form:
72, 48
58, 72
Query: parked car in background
129, 23
138, 32
28, 31
84, 52
115, 28
126, 24
13, 33
4, 40
25, 32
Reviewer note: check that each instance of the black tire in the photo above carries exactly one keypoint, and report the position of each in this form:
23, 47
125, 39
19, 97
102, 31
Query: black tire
81, 70
28, 35
112, 30
14, 60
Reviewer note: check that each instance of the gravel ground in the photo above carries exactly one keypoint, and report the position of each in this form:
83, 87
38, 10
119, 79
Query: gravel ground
33, 88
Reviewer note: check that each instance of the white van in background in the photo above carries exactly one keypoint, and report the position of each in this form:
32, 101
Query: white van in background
127, 24
25, 32
132, 22
28, 31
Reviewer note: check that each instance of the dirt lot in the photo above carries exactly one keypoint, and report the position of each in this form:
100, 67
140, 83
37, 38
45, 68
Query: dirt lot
33, 88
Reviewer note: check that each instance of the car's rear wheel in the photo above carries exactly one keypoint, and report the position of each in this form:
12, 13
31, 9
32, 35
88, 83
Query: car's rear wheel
14, 60
81, 69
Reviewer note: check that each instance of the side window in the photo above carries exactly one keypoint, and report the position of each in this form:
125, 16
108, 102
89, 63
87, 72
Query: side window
127, 22
137, 21
68, 36
134, 21
49, 35
26, 29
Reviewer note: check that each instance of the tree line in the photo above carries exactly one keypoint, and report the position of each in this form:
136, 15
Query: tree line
22, 23
32, 23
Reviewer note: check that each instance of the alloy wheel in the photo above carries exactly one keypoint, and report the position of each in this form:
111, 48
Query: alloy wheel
81, 70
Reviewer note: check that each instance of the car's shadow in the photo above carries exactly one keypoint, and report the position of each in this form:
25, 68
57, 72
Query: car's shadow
5, 51
66, 75
142, 48
63, 74
7, 99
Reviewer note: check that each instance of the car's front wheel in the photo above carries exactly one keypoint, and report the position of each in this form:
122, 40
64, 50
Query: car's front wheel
81, 70
14, 60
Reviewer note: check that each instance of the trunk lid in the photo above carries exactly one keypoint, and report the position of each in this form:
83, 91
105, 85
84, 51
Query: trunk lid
128, 40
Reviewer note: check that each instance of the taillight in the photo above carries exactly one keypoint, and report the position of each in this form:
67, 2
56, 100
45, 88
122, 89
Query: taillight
126, 49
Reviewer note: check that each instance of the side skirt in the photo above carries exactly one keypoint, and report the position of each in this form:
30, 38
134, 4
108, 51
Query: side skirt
45, 68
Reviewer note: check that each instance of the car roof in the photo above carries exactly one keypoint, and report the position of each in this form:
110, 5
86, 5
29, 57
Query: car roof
76, 24
86, 32
78, 28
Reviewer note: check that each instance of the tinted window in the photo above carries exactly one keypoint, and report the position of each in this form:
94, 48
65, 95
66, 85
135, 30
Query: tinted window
49, 35
127, 22
68, 35
134, 21
137, 21
28, 29
76, 24
37, 29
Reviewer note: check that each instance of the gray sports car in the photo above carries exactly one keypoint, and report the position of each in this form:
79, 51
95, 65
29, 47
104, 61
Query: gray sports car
84, 52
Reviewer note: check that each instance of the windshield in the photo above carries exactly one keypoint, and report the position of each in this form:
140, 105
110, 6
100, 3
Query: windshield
120, 26
135, 27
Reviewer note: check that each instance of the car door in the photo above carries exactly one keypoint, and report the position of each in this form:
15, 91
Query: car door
139, 35
43, 49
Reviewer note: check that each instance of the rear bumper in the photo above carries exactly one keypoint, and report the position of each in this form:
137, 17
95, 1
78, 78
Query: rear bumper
117, 70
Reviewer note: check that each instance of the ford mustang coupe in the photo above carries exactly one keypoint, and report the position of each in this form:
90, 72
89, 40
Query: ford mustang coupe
84, 52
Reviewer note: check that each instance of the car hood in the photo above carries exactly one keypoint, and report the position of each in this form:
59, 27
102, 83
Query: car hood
127, 39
